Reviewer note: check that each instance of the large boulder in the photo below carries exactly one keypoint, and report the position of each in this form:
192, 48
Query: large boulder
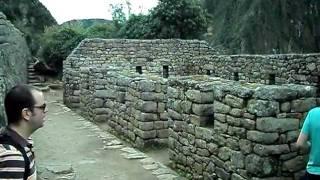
14, 55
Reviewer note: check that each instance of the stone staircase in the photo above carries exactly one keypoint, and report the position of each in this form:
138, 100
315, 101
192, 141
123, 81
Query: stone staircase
35, 79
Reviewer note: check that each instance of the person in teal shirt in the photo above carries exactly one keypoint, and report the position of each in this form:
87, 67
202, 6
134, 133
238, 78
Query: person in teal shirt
310, 135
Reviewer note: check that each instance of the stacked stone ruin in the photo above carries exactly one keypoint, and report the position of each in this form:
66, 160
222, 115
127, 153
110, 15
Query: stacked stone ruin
221, 116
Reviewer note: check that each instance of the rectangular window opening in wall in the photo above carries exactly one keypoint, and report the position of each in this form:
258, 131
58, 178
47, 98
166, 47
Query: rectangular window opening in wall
272, 79
236, 76
165, 71
139, 69
210, 121
208, 72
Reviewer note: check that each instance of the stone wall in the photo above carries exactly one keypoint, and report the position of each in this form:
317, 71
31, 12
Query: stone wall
133, 105
152, 56
223, 129
265, 69
14, 55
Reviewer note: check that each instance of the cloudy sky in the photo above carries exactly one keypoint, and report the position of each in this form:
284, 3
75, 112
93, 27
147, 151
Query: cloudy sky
65, 10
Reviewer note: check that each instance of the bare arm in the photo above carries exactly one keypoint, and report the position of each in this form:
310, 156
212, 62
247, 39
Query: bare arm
302, 140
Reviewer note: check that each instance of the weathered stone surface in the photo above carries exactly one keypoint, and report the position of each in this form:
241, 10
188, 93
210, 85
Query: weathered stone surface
274, 92
266, 150
263, 138
234, 101
219, 107
259, 166
295, 164
277, 125
237, 159
149, 107
105, 94
263, 108
199, 97
303, 105
245, 146
14, 56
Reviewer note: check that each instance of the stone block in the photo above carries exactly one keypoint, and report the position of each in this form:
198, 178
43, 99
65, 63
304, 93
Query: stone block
261, 137
271, 124
246, 146
149, 107
220, 117
146, 86
303, 105
172, 93
146, 116
263, 108
151, 96
145, 134
174, 115
199, 97
98, 103
295, 164
247, 123
237, 159
109, 94
259, 166
219, 107
163, 133
220, 127
101, 118
236, 112
146, 126
285, 107
234, 101
267, 150
223, 174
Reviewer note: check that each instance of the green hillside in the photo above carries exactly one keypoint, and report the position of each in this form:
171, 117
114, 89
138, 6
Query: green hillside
264, 26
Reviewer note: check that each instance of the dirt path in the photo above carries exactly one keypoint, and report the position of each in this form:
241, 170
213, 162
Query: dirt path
69, 143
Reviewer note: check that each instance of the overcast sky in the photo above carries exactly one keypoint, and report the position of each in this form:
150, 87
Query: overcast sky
65, 10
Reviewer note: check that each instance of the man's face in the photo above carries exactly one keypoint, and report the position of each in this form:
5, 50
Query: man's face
39, 110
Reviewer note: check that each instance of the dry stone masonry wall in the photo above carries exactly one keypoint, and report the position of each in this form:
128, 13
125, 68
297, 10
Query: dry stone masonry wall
222, 129
265, 69
133, 105
152, 56
149, 92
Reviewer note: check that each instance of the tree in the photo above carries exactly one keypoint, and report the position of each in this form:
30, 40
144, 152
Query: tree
118, 16
101, 31
184, 19
57, 44
136, 27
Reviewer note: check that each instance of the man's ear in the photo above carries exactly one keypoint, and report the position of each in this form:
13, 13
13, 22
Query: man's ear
26, 114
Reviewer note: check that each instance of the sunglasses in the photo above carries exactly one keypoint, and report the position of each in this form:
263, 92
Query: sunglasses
42, 107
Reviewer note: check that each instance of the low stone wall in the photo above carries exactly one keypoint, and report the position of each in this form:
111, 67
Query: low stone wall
222, 129
266, 69
133, 105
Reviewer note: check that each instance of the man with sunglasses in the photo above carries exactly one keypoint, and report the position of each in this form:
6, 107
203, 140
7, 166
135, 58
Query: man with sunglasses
26, 110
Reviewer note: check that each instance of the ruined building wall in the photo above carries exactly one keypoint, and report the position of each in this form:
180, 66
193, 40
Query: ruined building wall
221, 129
151, 56
265, 69
133, 105
215, 127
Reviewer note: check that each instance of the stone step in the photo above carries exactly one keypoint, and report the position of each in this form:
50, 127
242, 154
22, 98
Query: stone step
33, 81
34, 77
